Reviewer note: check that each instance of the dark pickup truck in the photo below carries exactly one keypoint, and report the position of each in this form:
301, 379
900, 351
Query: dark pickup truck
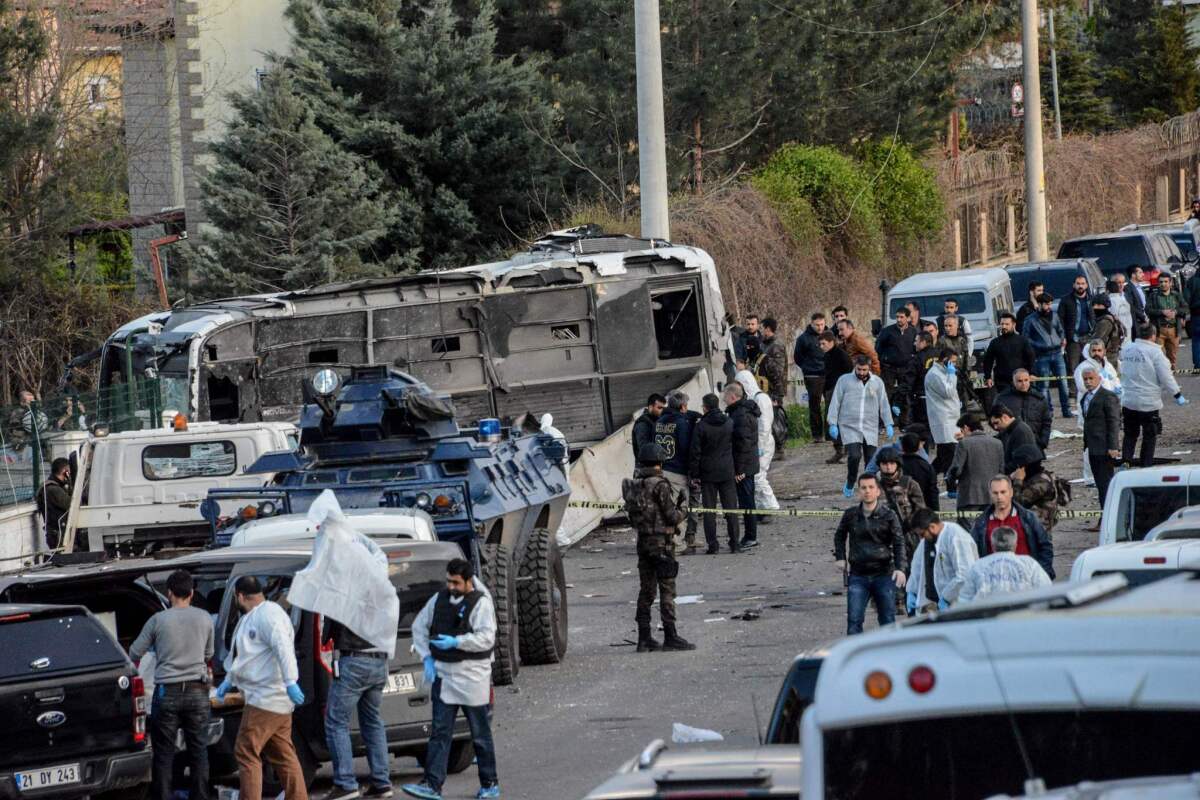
72, 705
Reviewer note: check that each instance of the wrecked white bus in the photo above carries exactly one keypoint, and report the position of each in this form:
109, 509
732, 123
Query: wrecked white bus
583, 326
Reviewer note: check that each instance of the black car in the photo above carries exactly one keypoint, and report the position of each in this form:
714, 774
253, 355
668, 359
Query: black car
1057, 276
1152, 250
131, 591
73, 706
795, 695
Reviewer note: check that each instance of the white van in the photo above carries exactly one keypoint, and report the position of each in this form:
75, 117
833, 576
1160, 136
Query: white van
1053, 686
981, 295
1169, 548
1140, 499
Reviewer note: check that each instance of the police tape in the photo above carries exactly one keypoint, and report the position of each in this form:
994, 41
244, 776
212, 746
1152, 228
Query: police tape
1064, 513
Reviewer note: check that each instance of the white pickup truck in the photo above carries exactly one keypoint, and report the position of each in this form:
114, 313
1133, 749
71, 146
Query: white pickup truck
1170, 547
140, 491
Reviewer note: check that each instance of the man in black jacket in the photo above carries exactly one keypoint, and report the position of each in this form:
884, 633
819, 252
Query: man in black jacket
810, 359
643, 426
896, 349
1030, 305
745, 415
1007, 353
876, 563
919, 469
1029, 405
1101, 430
1011, 432
1131, 285
54, 503
712, 465
1078, 319
837, 364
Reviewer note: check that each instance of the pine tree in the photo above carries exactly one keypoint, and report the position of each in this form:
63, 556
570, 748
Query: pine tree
451, 125
291, 208
1148, 60
1083, 107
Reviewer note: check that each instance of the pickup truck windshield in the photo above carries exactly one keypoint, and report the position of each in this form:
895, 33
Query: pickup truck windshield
978, 756
51, 645
935, 304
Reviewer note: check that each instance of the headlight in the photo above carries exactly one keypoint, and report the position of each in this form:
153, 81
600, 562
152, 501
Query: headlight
326, 382
423, 500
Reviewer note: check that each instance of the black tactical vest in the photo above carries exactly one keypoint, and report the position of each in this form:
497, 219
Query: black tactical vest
454, 620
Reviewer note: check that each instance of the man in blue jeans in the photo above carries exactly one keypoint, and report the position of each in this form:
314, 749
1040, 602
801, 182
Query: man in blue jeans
455, 634
359, 677
1045, 333
874, 539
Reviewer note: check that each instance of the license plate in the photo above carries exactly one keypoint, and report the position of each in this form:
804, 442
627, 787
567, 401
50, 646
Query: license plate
61, 775
400, 683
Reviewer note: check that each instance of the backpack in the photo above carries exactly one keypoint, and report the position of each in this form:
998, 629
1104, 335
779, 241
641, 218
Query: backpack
1062, 494
637, 501
763, 383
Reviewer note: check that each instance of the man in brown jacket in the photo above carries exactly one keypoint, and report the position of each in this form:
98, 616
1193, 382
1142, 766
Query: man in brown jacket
855, 344
773, 366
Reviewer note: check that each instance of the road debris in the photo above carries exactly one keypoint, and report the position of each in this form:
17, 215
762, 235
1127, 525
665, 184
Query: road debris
686, 734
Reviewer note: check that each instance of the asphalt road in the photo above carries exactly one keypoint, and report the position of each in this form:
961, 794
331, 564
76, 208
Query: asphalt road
563, 729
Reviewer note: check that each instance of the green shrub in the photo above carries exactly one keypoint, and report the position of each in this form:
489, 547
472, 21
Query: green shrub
835, 190
798, 429
906, 192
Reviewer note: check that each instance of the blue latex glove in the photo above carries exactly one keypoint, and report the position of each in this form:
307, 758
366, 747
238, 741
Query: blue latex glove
833, 431
895, 411
444, 642
891, 431
910, 602
952, 495
942, 605
294, 694
1181, 401
223, 689
430, 670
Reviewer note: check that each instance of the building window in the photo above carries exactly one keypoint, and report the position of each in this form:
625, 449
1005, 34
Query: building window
95, 93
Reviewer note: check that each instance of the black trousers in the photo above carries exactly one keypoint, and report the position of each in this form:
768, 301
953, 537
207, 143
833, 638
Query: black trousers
1146, 423
898, 383
1102, 471
745, 498
817, 406
1073, 354
943, 458
726, 492
175, 708
855, 455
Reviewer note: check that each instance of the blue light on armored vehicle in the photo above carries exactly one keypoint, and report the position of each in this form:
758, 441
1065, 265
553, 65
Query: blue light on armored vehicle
489, 430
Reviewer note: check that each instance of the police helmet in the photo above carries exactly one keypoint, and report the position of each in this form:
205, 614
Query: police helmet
651, 453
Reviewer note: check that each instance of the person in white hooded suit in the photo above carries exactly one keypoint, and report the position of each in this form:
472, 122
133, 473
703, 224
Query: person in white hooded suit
764, 495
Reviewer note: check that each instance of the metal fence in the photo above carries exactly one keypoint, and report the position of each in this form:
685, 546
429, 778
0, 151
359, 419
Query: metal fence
35, 432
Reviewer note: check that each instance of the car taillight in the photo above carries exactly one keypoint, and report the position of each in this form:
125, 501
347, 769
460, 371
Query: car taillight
324, 650
921, 679
139, 709
1154, 560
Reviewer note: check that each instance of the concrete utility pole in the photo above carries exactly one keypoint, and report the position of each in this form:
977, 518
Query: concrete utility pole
1054, 78
1035, 178
652, 136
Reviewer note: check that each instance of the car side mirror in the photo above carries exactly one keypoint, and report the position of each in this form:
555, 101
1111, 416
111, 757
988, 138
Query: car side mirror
1174, 259
876, 327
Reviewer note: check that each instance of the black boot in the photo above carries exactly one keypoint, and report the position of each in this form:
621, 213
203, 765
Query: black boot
673, 641
646, 642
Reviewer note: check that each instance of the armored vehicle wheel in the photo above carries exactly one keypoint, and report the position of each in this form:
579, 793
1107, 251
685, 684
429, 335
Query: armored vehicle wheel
500, 576
543, 594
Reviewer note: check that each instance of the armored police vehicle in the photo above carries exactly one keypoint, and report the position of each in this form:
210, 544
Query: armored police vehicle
385, 439
583, 325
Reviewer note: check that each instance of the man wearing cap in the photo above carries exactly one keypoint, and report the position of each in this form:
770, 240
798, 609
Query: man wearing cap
655, 510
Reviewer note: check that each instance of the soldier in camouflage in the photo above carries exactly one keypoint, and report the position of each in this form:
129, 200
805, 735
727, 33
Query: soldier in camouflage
655, 511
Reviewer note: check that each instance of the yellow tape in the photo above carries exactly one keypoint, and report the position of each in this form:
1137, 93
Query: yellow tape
796, 512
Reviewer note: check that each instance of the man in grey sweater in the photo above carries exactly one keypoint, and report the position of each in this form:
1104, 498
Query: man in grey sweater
182, 640
977, 459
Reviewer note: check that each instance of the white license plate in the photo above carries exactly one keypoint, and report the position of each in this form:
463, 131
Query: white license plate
61, 775
400, 683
